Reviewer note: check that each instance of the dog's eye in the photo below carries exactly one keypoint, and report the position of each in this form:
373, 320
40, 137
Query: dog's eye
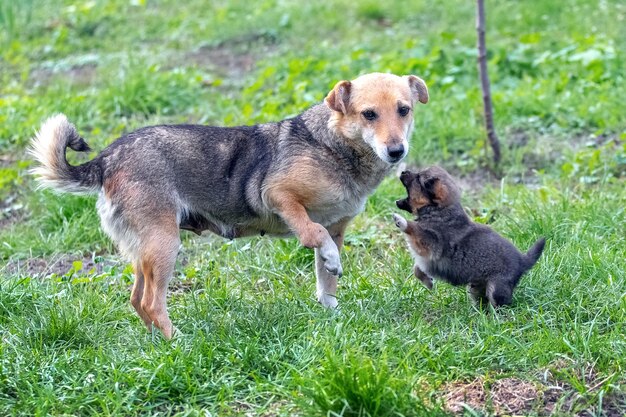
369, 115
428, 184
403, 110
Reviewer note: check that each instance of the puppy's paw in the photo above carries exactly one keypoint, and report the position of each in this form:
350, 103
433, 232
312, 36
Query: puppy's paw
328, 301
400, 221
330, 256
428, 282
421, 275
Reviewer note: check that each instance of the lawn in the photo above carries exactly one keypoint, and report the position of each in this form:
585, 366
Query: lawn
253, 340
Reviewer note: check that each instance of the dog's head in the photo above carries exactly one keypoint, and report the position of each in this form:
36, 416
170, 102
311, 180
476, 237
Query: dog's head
378, 109
431, 186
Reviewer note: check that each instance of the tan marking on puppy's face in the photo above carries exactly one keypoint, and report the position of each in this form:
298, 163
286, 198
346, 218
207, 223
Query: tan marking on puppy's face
431, 186
378, 109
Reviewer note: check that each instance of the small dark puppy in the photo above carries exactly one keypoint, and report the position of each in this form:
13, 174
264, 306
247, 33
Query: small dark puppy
447, 245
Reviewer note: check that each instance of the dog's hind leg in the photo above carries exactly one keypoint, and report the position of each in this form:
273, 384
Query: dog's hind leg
327, 282
158, 258
137, 294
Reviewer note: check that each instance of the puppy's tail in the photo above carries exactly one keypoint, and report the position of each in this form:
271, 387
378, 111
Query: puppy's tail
48, 149
534, 253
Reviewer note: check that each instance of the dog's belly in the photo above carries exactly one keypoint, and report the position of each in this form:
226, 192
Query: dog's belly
332, 213
268, 223
248, 226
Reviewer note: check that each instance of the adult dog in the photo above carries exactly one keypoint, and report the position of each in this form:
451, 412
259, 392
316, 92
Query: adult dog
308, 176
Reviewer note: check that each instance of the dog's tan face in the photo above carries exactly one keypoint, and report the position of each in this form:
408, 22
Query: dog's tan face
431, 186
378, 109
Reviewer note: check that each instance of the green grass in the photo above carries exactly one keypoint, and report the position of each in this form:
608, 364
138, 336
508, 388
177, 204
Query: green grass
252, 338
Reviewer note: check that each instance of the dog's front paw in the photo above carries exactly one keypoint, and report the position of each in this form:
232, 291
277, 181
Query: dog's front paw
330, 256
333, 266
400, 221
327, 300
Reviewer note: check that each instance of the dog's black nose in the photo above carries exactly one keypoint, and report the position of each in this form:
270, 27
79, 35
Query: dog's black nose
395, 151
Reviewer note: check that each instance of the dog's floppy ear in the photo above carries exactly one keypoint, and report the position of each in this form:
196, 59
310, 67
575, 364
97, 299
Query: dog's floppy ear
419, 91
339, 97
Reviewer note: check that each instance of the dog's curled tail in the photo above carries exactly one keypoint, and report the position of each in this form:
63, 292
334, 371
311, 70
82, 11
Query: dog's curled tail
534, 253
48, 149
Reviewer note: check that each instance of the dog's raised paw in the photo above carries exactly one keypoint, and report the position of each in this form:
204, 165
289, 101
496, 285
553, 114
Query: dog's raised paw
330, 256
334, 267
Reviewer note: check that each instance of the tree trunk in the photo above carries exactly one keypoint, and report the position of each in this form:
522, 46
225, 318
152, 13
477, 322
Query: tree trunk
484, 80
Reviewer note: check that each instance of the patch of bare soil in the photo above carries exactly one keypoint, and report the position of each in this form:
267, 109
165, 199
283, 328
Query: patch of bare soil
474, 182
560, 395
11, 211
81, 74
233, 57
179, 287
458, 395
60, 265
514, 396
8, 160
274, 409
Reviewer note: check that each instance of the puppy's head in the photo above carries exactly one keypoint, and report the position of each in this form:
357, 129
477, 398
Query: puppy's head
431, 186
377, 109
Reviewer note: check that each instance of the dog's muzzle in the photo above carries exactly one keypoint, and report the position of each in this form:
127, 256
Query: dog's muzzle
395, 153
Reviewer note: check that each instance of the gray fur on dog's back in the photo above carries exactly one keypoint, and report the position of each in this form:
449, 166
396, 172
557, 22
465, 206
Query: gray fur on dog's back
208, 170
214, 177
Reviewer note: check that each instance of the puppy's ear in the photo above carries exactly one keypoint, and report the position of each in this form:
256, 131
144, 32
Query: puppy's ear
446, 193
419, 91
339, 97
429, 188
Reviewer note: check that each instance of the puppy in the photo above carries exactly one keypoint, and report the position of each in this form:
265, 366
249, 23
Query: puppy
307, 176
447, 245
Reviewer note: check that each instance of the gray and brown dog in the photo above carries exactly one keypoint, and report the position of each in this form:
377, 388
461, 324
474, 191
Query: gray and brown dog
308, 176
447, 245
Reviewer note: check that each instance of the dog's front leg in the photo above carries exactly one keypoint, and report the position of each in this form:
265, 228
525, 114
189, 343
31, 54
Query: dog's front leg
326, 281
310, 234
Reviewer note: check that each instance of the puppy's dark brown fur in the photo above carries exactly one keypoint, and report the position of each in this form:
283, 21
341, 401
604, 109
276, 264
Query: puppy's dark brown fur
447, 245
